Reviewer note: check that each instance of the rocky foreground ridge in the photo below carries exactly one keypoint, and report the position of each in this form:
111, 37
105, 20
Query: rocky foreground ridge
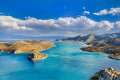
27, 46
106, 74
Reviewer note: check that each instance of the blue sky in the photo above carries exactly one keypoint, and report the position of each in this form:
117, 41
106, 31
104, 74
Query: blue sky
53, 9
59, 17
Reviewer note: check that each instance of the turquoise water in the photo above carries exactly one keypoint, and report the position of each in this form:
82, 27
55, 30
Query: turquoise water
64, 62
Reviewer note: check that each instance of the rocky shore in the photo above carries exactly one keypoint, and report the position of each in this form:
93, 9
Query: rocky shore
27, 46
106, 74
113, 52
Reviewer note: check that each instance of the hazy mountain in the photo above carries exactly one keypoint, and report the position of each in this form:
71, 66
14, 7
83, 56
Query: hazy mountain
9, 38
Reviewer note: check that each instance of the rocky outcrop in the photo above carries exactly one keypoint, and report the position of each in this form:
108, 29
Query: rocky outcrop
106, 74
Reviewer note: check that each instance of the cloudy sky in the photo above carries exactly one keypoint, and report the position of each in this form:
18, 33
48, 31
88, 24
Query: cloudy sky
59, 17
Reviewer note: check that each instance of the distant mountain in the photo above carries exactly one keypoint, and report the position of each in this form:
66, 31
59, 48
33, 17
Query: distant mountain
87, 38
91, 37
10, 38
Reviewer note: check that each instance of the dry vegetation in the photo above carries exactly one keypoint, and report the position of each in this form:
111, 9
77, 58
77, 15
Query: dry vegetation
25, 46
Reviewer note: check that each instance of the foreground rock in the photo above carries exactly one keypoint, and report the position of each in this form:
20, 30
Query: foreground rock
27, 46
106, 74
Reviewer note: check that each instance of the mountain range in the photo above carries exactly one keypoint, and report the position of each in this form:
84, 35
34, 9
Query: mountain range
92, 38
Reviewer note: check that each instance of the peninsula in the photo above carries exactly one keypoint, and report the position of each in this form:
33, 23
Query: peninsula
27, 46
106, 43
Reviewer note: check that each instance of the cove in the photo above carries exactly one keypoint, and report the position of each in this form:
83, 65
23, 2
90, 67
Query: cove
65, 61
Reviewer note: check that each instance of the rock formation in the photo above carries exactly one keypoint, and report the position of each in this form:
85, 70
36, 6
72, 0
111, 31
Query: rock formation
106, 74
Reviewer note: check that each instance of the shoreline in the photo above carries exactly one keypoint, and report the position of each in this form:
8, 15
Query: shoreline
109, 55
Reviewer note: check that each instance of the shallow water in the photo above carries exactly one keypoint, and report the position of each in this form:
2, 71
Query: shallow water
64, 62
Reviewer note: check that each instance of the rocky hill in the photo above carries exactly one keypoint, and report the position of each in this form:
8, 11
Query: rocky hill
26, 46
106, 74
91, 37
87, 38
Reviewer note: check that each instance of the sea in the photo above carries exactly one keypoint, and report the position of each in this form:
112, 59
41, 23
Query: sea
65, 61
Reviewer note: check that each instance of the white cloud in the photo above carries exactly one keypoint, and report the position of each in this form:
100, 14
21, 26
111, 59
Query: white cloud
83, 7
86, 12
60, 27
113, 11
9, 22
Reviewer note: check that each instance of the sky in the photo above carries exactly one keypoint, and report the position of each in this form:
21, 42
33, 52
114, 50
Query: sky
38, 18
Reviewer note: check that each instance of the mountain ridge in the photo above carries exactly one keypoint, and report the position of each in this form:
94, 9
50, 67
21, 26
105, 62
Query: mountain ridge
91, 37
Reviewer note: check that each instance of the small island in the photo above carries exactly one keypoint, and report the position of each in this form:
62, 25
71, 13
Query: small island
106, 74
27, 46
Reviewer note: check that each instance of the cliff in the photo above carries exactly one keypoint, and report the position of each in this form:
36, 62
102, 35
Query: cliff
26, 46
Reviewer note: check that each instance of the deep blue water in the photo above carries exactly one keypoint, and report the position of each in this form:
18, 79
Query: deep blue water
64, 62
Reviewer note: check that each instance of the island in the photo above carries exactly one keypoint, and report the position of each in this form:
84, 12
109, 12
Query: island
106, 43
27, 46
106, 74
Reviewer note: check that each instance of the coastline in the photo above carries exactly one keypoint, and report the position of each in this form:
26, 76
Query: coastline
88, 45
